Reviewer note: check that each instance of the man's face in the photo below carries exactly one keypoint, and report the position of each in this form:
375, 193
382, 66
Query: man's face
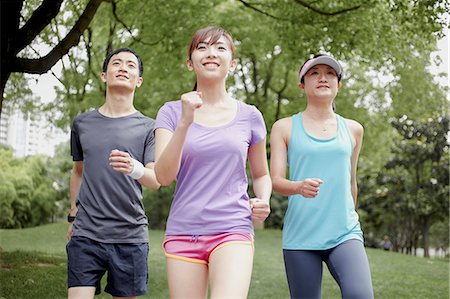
122, 72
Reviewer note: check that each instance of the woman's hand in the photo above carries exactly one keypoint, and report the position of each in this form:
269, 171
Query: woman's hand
309, 188
260, 209
190, 101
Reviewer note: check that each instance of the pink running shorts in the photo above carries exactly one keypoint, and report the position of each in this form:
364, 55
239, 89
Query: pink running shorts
198, 249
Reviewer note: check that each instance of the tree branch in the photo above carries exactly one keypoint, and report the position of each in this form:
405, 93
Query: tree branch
262, 12
40, 18
114, 6
43, 64
307, 5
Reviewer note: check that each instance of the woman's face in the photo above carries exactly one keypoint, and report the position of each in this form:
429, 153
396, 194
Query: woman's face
321, 81
212, 61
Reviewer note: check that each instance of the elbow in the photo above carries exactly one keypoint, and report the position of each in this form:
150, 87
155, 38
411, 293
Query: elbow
156, 186
163, 181
162, 176
278, 187
275, 185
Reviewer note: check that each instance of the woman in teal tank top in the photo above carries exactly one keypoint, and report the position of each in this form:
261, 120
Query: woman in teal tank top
321, 224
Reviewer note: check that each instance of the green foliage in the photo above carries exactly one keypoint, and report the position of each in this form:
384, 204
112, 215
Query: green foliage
27, 193
278, 207
157, 205
411, 193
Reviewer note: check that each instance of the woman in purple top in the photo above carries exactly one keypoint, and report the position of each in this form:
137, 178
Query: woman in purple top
203, 141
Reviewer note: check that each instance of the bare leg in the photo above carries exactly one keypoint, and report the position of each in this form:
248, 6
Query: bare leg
81, 292
230, 271
186, 279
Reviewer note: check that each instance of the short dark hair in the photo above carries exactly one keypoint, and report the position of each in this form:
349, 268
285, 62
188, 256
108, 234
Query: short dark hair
119, 50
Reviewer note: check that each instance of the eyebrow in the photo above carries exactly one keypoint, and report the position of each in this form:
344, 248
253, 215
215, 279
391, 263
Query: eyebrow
216, 43
128, 61
315, 68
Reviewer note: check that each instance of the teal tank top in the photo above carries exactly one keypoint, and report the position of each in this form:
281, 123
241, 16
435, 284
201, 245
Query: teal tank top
330, 218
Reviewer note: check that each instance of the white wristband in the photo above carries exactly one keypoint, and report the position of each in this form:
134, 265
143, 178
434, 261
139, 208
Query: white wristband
138, 170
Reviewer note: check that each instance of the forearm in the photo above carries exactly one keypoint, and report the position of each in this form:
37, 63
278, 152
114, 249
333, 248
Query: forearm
286, 187
75, 183
355, 193
149, 179
262, 187
168, 163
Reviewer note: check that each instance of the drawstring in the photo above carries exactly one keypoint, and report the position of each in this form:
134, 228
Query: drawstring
194, 238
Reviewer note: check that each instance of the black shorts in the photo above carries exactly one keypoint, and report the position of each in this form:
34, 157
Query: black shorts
127, 267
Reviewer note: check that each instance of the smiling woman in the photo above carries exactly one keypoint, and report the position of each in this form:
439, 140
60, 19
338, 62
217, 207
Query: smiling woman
204, 140
321, 149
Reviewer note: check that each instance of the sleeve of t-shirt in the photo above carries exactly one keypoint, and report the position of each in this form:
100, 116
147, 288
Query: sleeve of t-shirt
258, 127
167, 118
149, 151
75, 145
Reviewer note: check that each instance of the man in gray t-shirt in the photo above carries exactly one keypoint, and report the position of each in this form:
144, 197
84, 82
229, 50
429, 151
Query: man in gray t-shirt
108, 226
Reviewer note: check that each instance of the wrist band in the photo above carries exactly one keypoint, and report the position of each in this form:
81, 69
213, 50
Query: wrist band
138, 170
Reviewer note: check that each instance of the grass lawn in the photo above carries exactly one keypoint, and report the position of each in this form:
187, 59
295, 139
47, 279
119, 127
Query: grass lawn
33, 265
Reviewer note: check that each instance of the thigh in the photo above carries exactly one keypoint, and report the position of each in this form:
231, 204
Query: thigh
349, 266
230, 270
186, 279
304, 273
127, 269
86, 262
81, 292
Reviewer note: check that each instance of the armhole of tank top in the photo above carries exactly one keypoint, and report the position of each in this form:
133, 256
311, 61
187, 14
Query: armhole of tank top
294, 126
344, 124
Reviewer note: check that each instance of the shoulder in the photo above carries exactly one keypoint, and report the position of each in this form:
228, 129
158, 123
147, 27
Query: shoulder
84, 116
283, 123
145, 120
171, 107
248, 108
282, 126
355, 128
353, 125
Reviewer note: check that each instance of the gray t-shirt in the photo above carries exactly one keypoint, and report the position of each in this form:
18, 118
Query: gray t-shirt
110, 207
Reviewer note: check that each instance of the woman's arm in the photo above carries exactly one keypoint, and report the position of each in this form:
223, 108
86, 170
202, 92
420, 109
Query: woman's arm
169, 145
357, 132
168, 150
262, 184
279, 142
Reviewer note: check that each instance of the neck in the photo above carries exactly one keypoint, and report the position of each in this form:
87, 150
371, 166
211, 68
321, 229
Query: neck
213, 93
117, 105
319, 111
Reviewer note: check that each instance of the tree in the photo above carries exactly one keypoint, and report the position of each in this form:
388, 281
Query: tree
15, 38
412, 192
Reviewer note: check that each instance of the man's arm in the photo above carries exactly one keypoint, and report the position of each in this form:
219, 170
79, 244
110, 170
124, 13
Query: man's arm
122, 162
76, 178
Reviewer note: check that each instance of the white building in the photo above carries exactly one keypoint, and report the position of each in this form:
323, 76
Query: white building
29, 136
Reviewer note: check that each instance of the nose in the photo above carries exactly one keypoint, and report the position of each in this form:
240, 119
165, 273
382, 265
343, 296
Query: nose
123, 67
212, 51
322, 77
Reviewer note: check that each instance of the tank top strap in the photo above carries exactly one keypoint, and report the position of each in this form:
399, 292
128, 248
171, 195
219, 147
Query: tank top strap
343, 130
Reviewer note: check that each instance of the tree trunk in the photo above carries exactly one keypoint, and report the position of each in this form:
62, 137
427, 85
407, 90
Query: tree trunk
425, 236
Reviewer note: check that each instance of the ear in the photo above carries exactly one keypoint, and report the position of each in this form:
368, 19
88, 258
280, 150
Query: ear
301, 85
139, 82
233, 65
339, 84
103, 77
189, 64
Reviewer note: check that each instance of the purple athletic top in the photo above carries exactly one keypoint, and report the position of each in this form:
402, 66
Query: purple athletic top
211, 192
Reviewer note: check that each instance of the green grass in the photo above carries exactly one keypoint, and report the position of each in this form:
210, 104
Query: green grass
33, 265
